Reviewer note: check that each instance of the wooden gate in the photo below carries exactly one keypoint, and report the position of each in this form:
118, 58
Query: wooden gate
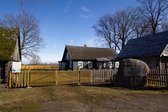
42, 78
73, 77
48, 77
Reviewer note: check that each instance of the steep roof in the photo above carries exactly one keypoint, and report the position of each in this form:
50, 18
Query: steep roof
89, 53
147, 46
8, 39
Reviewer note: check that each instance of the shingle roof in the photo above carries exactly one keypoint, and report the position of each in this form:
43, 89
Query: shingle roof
90, 53
8, 38
147, 46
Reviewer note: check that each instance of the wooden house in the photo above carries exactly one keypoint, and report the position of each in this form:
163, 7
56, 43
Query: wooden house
152, 49
9, 51
84, 57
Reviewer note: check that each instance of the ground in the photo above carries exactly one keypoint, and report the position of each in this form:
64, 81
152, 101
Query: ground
82, 99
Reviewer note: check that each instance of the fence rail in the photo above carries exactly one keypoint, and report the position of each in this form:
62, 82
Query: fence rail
40, 67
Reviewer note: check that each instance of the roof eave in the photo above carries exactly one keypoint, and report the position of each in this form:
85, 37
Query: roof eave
162, 54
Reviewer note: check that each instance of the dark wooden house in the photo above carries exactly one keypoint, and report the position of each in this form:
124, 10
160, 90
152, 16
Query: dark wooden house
152, 49
75, 57
9, 51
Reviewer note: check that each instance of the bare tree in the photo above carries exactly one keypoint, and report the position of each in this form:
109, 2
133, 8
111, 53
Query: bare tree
31, 42
35, 59
164, 25
154, 12
106, 31
117, 29
125, 21
141, 26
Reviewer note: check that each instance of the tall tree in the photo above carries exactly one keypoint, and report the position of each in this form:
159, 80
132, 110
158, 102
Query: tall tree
141, 26
125, 21
31, 42
164, 25
154, 12
117, 29
106, 31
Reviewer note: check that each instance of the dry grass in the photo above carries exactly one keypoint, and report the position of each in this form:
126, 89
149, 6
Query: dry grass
76, 98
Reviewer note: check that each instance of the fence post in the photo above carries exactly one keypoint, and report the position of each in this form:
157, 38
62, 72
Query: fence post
166, 75
79, 76
56, 77
10, 80
91, 76
28, 78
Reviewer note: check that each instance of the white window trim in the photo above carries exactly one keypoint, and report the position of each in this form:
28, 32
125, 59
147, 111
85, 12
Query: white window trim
110, 64
80, 64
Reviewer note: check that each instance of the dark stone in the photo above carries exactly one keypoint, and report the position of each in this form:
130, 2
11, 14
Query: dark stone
132, 73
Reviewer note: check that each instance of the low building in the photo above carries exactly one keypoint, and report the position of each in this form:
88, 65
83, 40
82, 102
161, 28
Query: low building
152, 49
9, 51
84, 57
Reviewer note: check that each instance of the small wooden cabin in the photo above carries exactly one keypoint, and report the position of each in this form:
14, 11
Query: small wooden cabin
87, 58
152, 49
9, 51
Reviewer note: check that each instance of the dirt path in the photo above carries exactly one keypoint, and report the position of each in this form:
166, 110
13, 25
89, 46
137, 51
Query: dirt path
82, 99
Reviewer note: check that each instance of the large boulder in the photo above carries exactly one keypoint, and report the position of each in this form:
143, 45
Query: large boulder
132, 73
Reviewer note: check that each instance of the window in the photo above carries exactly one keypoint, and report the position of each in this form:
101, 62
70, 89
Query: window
104, 65
117, 64
110, 65
89, 64
80, 64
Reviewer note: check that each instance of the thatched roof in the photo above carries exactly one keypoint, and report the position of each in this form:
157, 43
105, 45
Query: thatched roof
89, 53
148, 46
8, 39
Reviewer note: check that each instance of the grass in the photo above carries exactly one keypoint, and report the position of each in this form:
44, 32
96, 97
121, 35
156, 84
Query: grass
31, 100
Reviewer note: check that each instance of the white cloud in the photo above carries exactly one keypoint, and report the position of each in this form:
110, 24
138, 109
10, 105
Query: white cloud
85, 16
85, 9
68, 7
86, 13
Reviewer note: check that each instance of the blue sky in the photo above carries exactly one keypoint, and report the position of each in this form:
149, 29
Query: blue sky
66, 22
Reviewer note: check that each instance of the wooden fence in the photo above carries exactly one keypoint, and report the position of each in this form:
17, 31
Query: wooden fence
44, 78
157, 77
19, 79
51, 77
103, 76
